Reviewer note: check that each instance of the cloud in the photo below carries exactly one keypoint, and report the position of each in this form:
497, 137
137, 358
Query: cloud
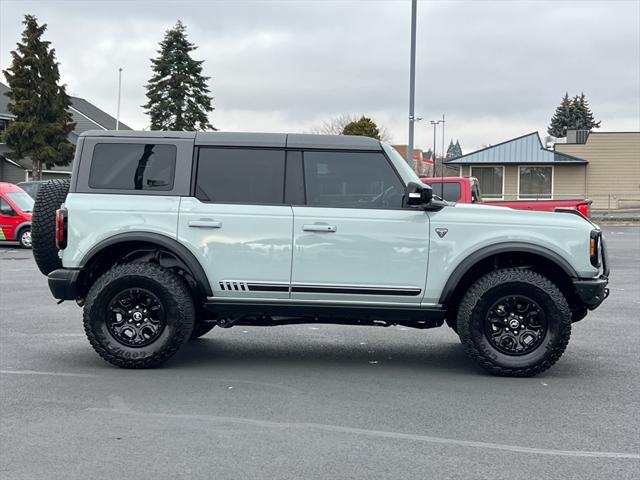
496, 69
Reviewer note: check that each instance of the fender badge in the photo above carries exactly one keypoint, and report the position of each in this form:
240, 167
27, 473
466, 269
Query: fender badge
441, 232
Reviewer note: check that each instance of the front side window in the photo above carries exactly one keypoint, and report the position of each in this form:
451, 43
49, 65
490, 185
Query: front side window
535, 182
351, 180
132, 166
490, 180
5, 208
234, 175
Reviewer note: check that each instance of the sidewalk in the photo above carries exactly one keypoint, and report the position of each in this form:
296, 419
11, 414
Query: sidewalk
616, 216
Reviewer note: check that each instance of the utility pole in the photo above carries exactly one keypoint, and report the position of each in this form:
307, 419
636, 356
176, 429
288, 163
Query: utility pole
119, 95
412, 82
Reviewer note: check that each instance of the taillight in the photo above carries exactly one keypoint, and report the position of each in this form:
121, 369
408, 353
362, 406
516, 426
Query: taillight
584, 209
594, 247
61, 228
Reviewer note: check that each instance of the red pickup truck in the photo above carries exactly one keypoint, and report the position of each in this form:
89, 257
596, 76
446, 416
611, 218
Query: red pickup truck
467, 190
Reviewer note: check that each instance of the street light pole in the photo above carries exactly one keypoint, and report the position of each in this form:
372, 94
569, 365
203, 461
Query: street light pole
119, 95
435, 160
443, 147
412, 82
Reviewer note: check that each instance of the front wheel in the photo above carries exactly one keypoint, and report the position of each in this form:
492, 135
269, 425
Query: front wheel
25, 237
138, 315
514, 322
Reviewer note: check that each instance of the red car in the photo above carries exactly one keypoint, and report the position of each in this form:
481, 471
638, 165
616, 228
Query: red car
467, 190
15, 214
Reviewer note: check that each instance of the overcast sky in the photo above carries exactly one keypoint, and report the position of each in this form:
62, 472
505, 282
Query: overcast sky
496, 69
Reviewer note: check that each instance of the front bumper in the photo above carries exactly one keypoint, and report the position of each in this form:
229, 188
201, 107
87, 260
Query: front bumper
63, 283
592, 292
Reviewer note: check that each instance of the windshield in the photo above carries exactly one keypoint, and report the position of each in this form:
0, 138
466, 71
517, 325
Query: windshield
405, 171
21, 200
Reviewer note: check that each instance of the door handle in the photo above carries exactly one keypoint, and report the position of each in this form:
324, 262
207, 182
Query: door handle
205, 224
315, 227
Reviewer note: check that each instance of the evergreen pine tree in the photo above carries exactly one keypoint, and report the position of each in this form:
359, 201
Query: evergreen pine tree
364, 127
178, 94
582, 115
40, 105
451, 150
458, 149
562, 118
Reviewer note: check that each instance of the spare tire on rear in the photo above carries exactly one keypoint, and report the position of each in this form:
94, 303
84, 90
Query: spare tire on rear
43, 224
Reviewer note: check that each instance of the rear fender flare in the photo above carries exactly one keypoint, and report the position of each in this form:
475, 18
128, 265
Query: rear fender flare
162, 241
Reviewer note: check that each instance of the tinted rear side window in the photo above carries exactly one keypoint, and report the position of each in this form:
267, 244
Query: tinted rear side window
240, 176
132, 166
449, 191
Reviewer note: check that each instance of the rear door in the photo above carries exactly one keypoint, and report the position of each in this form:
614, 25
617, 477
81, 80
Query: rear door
237, 223
353, 240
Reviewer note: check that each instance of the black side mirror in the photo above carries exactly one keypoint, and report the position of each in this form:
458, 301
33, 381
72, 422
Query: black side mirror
418, 194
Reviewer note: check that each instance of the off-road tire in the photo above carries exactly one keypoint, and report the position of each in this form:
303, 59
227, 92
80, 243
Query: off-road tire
476, 303
43, 224
175, 296
24, 239
201, 329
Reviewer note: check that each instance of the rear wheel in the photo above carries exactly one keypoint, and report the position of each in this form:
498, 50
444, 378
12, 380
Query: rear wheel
514, 322
138, 315
24, 237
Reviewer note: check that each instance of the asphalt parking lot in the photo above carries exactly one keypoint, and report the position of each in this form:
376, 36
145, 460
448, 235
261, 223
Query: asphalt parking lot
315, 401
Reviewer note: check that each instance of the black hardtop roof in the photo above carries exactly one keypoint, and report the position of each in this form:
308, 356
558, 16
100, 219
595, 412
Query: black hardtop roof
244, 139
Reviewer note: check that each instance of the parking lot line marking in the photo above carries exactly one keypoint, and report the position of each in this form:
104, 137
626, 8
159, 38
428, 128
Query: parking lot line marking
121, 408
55, 374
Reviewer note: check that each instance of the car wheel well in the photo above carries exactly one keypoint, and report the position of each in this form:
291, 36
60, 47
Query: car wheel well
525, 260
19, 231
136, 252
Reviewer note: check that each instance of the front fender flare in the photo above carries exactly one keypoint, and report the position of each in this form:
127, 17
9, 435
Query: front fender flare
507, 247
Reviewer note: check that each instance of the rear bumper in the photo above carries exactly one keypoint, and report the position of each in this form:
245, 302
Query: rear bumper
63, 283
592, 292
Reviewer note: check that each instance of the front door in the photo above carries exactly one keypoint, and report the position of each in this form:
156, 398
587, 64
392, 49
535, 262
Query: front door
237, 223
353, 240
9, 220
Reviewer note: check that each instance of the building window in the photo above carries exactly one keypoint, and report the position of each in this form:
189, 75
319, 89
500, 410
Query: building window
4, 124
491, 181
535, 182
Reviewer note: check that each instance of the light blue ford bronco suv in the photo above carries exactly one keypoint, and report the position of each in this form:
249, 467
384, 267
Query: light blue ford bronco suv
161, 236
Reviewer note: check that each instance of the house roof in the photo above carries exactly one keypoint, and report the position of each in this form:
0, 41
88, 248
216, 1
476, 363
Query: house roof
526, 149
99, 117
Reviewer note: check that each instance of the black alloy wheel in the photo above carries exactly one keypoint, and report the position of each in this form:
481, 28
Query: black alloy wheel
515, 325
137, 317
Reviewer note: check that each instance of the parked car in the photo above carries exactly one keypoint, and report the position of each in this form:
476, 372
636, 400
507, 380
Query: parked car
165, 235
467, 190
15, 214
31, 187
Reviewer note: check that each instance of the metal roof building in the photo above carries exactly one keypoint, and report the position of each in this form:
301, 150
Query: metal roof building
523, 150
